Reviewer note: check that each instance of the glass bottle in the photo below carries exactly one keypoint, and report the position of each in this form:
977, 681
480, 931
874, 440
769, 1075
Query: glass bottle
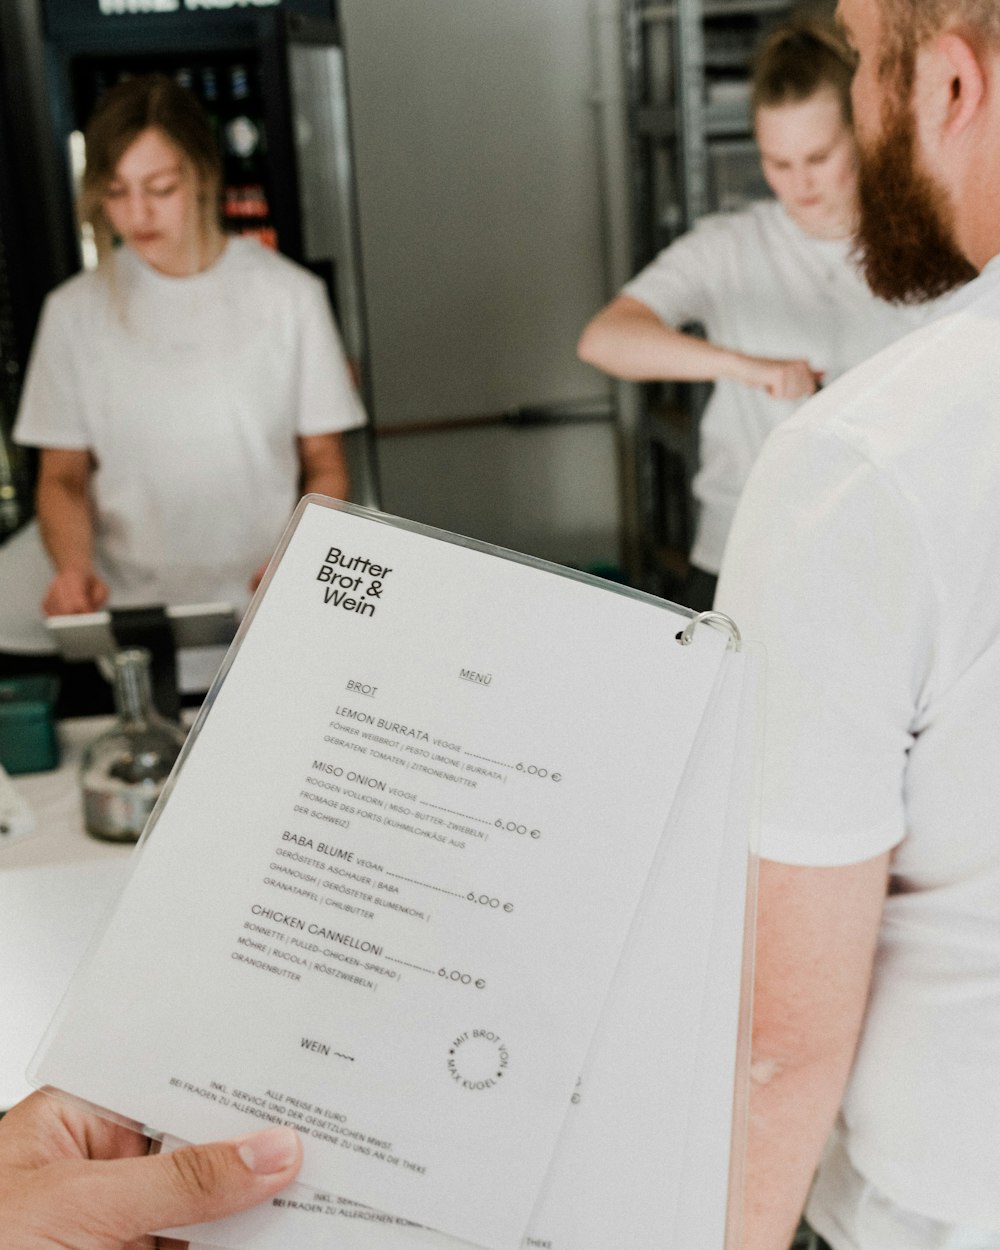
245, 204
123, 771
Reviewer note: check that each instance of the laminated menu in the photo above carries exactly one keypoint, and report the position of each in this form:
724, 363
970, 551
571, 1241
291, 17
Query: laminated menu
649, 1154
388, 886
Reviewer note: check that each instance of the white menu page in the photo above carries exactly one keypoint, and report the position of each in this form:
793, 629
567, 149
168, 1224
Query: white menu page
387, 888
647, 1148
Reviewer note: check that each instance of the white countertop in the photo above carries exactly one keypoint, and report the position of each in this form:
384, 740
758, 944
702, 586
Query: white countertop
57, 801
55, 886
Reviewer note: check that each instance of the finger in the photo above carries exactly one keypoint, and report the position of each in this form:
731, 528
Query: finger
801, 385
43, 1129
193, 1184
98, 594
65, 598
52, 604
61, 605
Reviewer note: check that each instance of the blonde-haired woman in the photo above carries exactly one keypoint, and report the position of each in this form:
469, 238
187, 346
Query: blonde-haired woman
185, 392
776, 288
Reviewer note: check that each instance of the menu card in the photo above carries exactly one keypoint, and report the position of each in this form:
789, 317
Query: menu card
651, 1148
386, 890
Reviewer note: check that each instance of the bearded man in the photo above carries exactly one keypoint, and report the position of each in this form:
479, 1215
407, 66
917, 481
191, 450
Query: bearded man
866, 557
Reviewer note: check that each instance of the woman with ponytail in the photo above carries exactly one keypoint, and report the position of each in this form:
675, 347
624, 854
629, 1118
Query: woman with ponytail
776, 287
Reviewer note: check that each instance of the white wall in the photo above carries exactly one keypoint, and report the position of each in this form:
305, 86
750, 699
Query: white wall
477, 163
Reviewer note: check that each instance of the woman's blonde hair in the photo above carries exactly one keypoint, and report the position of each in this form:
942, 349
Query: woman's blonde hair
798, 59
120, 116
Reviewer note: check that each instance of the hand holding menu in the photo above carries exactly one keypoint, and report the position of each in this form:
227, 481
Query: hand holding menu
386, 891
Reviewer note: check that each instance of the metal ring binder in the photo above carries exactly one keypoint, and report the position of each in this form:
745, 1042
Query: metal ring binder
716, 619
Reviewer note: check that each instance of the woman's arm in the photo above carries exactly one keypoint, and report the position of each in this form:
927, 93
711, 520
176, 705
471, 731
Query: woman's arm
816, 936
66, 522
628, 340
324, 465
324, 471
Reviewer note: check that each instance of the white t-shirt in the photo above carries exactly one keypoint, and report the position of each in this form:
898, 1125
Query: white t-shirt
865, 556
190, 393
761, 286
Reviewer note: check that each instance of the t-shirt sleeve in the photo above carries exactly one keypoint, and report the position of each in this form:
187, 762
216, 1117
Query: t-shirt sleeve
826, 567
327, 399
680, 284
52, 409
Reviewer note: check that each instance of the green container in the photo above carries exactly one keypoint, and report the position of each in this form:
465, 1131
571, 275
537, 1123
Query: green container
28, 742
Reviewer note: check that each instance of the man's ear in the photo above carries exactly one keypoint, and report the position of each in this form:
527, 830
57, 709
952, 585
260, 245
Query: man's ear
963, 77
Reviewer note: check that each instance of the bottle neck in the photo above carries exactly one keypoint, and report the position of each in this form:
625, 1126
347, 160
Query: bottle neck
132, 689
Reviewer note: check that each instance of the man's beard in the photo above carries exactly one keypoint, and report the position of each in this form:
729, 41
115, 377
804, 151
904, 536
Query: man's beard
905, 236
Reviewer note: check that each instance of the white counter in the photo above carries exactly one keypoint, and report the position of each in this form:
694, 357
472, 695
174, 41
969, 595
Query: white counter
55, 886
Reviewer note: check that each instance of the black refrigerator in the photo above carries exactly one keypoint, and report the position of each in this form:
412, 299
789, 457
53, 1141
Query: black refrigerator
272, 78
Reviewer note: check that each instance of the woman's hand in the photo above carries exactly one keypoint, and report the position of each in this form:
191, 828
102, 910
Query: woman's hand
64, 516
72, 1181
73, 591
782, 379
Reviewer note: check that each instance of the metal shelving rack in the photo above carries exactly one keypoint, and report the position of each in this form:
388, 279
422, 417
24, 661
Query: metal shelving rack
15, 492
13, 484
679, 138
692, 152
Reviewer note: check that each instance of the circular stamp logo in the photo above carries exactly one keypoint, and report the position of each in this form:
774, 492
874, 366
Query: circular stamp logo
477, 1059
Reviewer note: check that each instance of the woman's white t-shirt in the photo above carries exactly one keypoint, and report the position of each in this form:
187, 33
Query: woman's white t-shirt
761, 285
190, 394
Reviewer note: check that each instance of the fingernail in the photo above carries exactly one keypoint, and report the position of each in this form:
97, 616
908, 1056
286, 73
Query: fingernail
271, 1151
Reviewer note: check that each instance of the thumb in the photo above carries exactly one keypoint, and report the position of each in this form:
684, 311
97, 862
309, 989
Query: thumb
195, 1183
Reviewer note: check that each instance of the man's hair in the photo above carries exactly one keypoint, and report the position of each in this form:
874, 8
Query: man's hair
799, 58
149, 101
907, 24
